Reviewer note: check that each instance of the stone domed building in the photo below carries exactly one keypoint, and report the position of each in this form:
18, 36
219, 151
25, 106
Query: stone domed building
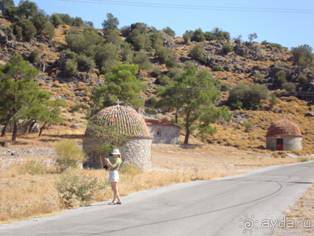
284, 135
129, 124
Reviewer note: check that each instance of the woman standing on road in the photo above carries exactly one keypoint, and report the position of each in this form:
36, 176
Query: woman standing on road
113, 163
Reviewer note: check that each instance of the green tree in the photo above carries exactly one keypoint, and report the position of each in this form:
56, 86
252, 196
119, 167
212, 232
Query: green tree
7, 8
50, 113
111, 23
18, 91
107, 56
48, 31
169, 31
195, 95
56, 20
39, 21
198, 35
77, 21
120, 84
27, 9
139, 39
111, 31
303, 55
26, 29
141, 59
252, 37
157, 40
187, 36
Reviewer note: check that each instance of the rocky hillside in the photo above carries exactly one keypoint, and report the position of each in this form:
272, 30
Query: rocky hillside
71, 70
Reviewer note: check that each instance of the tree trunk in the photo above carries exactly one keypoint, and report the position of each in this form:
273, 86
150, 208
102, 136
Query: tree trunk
42, 129
176, 116
187, 128
4, 129
30, 127
14, 132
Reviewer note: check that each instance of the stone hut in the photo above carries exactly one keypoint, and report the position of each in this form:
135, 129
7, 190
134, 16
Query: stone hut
128, 123
284, 135
162, 131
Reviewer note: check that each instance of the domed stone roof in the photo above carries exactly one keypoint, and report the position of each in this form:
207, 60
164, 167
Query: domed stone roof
284, 128
124, 119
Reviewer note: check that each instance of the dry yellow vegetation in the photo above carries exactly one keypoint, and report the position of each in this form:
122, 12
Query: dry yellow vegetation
302, 214
29, 188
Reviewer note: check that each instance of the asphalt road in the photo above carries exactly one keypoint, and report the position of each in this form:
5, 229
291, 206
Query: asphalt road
244, 205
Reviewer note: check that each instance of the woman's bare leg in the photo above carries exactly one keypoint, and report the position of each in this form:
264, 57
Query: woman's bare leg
113, 187
117, 193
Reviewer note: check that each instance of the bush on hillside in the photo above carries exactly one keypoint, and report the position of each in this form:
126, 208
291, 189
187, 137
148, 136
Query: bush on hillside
289, 87
139, 39
56, 20
34, 57
187, 36
24, 30
85, 63
227, 48
169, 31
279, 79
198, 36
302, 55
107, 56
83, 42
70, 67
247, 97
166, 56
162, 80
198, 53
142, 60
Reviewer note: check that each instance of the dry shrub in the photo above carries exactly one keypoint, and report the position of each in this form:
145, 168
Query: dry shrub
303, 159
28, 195
27, 167
75, 189
70, 155
130, 169
33, 167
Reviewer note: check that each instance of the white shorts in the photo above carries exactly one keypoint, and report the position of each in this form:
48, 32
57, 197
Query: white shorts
113, 176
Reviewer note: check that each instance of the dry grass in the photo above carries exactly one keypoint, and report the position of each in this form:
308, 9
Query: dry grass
302, 212
26, 193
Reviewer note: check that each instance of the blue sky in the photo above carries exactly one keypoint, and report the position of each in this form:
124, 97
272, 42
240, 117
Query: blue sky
250, 16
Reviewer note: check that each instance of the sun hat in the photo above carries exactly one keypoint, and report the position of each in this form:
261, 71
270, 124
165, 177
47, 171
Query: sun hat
115, 151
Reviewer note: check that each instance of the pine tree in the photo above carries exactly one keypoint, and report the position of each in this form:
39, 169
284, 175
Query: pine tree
120, 84
194, 95
21, 97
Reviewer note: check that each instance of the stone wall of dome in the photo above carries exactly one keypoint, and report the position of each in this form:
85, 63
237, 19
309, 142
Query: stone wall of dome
125, 121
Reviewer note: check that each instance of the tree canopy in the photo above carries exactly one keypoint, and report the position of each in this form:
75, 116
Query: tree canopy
21, 97
120, 84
